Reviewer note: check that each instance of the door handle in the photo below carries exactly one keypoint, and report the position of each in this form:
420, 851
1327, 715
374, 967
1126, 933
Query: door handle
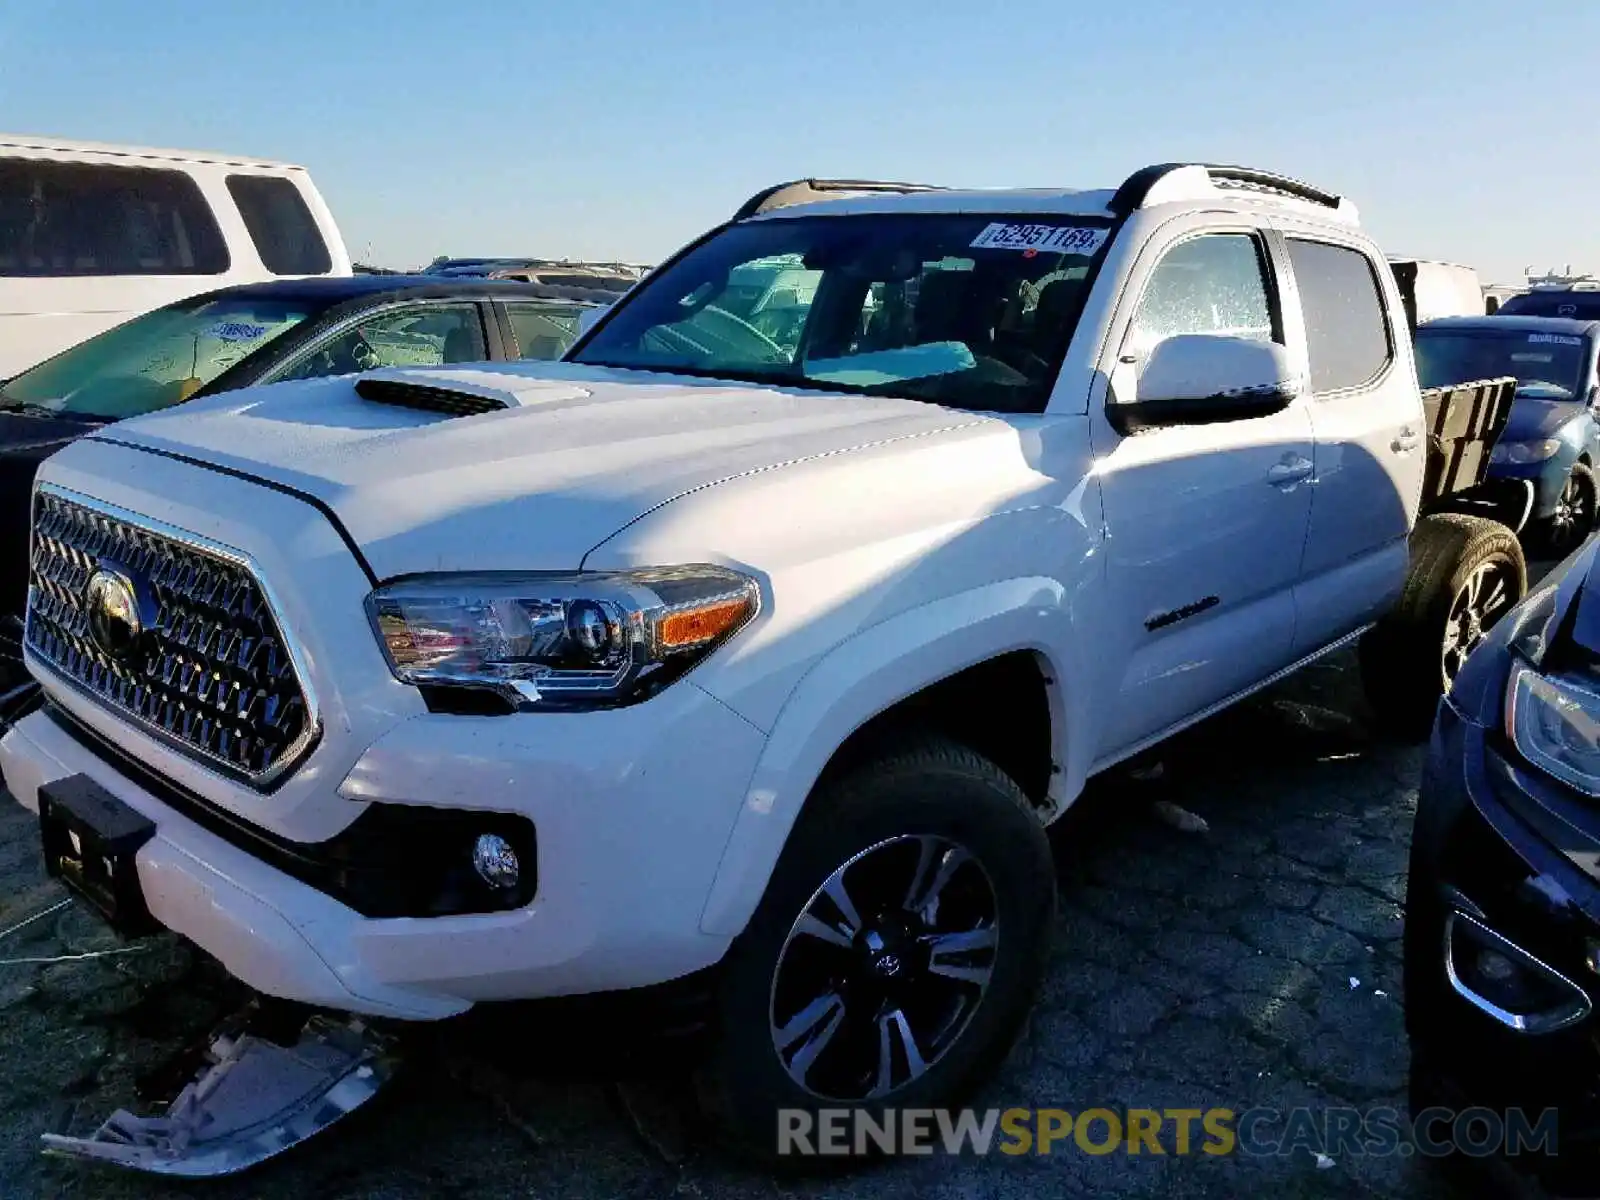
1291, 471
1405, 441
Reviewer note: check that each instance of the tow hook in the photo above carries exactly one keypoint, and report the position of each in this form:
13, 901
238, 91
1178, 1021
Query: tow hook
254, 1096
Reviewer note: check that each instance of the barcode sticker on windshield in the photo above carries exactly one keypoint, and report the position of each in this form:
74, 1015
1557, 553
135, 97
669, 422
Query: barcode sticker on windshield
1554, 339
1052, 239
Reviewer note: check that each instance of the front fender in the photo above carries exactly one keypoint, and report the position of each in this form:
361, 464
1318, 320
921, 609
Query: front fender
869, 673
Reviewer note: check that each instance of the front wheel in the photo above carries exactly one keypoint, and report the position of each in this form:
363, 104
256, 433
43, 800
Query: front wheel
1563, 531
894, 955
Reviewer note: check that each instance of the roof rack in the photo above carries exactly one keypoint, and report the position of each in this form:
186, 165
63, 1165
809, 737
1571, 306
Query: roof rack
804, 191
1162, 182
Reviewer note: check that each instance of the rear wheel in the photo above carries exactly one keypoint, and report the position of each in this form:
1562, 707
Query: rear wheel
1563, 531
1466, 573
895, 953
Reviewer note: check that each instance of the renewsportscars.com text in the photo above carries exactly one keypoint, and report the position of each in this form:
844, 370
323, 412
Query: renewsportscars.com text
1349, 1132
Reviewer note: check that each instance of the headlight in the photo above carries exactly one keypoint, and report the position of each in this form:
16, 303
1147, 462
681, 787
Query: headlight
560, 641
1524, 452
1554, 722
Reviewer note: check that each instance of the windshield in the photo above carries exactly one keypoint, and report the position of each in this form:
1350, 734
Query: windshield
1549, 366
969, 311
155, 360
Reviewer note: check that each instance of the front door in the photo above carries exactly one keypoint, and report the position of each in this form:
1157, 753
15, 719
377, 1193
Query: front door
1204, 524
1371, 440
410, 335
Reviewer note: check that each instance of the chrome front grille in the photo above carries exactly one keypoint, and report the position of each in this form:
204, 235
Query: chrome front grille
208, 668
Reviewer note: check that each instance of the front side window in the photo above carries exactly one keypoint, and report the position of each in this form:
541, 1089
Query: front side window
969, 311
416, 336
280, 224
1547, 366
1347, 334
155, 360
63, 218
544, 331
1215, 283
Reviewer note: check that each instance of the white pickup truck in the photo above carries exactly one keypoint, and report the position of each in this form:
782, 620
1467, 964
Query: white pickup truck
756, 659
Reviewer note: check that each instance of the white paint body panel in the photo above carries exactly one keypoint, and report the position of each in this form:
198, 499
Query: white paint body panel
895, 543
43, 315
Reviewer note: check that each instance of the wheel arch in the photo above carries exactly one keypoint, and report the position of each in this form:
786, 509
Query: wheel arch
928, 660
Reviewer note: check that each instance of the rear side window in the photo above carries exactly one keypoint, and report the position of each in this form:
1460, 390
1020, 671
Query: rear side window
280, 224
60, 218
1347, 333
544, 331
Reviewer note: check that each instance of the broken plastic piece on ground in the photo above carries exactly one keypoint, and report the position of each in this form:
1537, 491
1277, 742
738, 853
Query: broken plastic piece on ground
1181, 818
255, 1100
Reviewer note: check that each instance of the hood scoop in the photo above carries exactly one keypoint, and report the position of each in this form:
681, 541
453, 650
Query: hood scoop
460, 393
428, 398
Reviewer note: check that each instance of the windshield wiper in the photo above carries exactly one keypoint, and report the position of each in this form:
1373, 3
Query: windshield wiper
27, 408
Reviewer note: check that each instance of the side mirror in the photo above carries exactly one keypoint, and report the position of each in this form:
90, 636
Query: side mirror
1203, 378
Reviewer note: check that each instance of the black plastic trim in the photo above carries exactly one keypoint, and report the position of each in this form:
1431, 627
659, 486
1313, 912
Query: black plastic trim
285, 489
1137, 186
1155, 414
385, 864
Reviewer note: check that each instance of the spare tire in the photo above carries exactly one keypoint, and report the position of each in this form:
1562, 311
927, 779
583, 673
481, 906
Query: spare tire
1466, 573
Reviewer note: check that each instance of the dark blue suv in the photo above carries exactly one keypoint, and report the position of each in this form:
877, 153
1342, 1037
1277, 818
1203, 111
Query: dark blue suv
1548, 453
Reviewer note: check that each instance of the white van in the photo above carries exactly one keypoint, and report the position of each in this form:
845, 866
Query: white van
92, 234
1430, 290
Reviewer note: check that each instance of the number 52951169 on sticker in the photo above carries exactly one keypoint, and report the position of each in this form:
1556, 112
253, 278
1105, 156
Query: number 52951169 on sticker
1058, 239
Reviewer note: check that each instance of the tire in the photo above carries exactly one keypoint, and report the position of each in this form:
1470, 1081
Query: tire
872, 823
1410, 656
1558, 535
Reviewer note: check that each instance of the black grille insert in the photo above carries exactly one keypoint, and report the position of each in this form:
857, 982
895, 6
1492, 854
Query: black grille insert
209, 672
430, 399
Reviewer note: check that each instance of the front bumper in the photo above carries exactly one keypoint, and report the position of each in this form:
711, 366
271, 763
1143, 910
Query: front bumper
631, 812
1479, 858
1547, 478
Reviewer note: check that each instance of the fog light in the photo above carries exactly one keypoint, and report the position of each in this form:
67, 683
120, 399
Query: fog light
496, 862
1506, 983
1496, 967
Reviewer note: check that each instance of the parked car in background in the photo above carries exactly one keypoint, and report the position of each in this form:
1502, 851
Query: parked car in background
1579, 301
239, 337
1551, 443
93, 234
748, 671
1430, 290
1502, 915
615, 278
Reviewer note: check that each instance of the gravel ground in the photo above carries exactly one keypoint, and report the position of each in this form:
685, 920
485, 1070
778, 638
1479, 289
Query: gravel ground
1189, 970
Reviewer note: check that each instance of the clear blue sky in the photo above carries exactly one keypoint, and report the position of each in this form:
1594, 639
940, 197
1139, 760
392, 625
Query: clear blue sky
622, 128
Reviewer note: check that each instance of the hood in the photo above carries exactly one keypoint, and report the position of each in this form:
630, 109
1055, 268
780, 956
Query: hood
1532, 418
1577, 601
575, 454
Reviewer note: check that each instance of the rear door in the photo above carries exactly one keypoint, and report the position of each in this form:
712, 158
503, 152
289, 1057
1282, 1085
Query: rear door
1204, 524
540, 329
1347, 324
